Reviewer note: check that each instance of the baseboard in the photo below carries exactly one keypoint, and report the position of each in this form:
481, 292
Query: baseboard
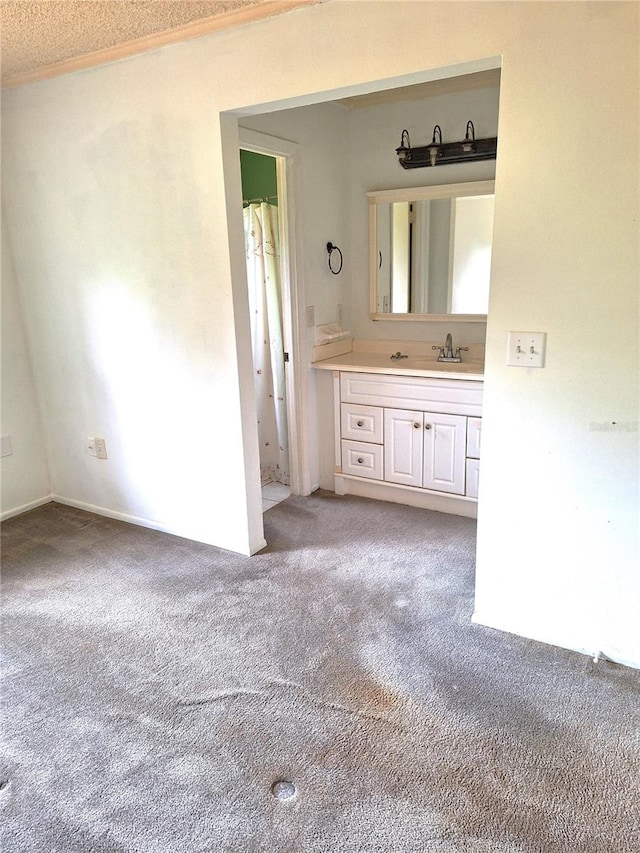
606, 654
153, 525
18, 510
118, 516
348, 484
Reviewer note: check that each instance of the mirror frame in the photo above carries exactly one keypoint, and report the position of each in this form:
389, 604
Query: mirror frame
416, 194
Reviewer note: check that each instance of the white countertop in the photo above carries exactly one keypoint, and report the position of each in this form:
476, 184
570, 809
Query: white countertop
414, 365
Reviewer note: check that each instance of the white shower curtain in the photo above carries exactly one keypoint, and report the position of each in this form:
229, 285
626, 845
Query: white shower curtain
263, 276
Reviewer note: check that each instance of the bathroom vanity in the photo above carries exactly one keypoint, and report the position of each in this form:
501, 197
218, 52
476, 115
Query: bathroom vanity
407, 429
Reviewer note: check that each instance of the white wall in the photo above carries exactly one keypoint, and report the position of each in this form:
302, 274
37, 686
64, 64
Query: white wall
558, 550
24, 475
117, 215
116, 209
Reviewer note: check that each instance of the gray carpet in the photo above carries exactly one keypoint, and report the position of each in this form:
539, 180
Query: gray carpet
156, 689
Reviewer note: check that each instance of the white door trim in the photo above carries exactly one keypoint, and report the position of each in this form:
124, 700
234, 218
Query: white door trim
295, 371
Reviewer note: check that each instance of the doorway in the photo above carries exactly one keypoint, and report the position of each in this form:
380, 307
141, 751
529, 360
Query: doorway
263, 237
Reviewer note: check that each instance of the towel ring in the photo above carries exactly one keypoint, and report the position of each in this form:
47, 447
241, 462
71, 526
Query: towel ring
330, 249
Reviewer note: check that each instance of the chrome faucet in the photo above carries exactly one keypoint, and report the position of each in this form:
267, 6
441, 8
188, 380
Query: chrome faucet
448, 344
446, 353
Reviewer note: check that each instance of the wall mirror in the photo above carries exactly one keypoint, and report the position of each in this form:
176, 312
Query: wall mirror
430, 252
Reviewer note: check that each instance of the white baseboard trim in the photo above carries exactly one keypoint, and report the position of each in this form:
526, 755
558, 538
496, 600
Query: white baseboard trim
153, 525
487, 621
348, 484
18, 510
118, 516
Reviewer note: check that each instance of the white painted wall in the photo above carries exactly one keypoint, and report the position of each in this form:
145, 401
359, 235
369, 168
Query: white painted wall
24, 475
116, 209
117, 214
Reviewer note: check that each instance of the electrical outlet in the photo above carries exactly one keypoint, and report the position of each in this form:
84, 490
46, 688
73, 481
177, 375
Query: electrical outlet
526, 349
311, 316
97, 447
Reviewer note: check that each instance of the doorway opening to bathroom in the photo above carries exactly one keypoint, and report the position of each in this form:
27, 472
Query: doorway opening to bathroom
265, 236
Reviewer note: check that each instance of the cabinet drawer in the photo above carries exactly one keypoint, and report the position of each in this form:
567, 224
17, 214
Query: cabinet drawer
473, 468
474, 428
361, 423
362, 459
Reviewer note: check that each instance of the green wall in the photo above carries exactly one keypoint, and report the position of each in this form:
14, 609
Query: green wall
258, 175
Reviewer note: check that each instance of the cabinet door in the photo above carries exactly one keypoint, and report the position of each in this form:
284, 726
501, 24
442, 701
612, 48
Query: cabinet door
403, 447
473, 471
474, 430
445, 440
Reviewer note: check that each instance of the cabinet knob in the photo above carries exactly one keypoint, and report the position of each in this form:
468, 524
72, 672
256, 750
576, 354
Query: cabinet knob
427, 426
416, 425
360, 461
360, 423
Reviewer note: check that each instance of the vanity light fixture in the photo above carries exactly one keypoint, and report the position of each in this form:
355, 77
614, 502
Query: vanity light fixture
404, 151
469, 143
435, 149
439, 153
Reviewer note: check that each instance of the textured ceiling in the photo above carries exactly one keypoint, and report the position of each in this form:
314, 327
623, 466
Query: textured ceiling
39, 34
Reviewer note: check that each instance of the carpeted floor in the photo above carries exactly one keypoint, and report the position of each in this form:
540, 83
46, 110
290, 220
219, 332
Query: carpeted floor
156, 689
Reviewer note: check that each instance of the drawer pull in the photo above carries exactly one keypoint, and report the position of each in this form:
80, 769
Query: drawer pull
360, 461
360, 423
427, 426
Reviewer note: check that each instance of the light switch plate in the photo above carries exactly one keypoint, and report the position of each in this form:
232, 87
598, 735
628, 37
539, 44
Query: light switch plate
526, 349
311, 316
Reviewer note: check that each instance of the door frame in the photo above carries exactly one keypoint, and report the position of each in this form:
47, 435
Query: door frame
285, 153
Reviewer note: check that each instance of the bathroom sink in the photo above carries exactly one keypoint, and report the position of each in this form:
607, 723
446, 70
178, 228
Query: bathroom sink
418, 363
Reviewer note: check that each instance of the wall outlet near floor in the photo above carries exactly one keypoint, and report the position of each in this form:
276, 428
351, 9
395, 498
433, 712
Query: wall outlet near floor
97, 447
526, 349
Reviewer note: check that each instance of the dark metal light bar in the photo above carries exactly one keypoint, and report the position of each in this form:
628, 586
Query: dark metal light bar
440, 153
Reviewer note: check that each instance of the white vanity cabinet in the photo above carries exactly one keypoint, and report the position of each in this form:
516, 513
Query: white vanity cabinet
408, 439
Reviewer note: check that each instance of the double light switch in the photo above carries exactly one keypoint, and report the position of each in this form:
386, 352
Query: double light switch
526, 349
